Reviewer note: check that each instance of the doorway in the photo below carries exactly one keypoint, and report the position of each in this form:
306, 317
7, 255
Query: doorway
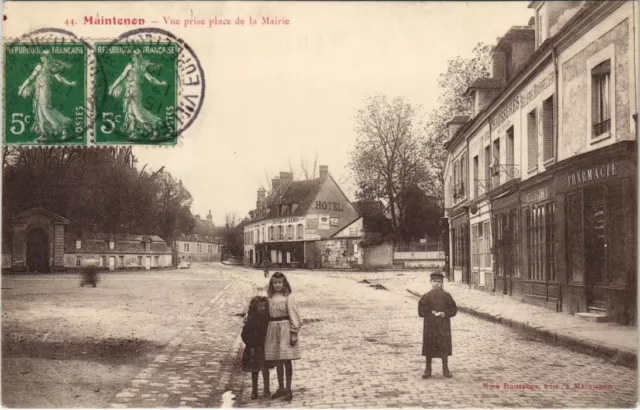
38, 250
112, 262
595, 244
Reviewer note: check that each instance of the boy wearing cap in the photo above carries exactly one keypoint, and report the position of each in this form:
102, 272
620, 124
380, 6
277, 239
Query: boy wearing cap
437, 307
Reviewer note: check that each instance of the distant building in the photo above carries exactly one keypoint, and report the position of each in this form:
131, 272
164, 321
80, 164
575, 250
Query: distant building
307, 223
116, 251
40, 242
203, 245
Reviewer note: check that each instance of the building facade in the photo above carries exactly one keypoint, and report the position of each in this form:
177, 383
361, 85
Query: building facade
41, 243
116, 251
288, 226
550, 160
203, 245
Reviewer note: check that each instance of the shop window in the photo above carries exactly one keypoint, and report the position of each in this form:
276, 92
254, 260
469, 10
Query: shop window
550, 243
532, 141
541, 242
548, 141
481, 245
514, 224
601, 98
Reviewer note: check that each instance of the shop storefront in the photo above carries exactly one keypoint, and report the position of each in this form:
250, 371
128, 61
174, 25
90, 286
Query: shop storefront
538, 279
596, 252
279, 254
505, 216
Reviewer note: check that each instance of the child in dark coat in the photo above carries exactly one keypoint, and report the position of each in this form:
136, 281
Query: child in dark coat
437, 308
253, 336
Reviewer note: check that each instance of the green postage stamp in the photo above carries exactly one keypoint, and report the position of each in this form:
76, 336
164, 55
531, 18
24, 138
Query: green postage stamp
45, 94
136, 92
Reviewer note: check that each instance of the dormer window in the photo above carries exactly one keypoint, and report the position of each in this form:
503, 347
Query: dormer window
112, 244
147, 244
78, 244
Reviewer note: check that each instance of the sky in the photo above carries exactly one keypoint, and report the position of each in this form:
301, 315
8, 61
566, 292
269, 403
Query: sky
279, 95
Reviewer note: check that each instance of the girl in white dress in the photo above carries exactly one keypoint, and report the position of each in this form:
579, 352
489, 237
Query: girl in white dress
281, 343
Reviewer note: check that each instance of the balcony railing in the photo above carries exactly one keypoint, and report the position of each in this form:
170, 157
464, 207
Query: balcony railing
458, 192
601, 128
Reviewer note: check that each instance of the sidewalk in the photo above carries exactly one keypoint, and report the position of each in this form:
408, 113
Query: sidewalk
616, 343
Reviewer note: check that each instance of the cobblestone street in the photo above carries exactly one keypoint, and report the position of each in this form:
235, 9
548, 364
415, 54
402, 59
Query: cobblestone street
361, 348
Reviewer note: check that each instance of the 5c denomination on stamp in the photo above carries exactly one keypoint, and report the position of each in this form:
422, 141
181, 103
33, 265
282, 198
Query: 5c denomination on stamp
149, 88
45, 91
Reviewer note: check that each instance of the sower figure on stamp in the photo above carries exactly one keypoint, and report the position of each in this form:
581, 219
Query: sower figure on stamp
136, 117
437, 307
47, 121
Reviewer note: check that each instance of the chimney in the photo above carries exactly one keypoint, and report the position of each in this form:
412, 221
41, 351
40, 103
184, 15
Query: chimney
455, 123
498, 64
210, 219
286, 178
516, 47
260, 199
275, 184
521, 50
324, 171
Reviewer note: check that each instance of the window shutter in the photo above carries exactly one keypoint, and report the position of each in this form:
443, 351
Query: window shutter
547, 130
532, 132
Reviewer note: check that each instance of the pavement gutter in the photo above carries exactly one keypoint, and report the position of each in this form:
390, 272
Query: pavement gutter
617, 356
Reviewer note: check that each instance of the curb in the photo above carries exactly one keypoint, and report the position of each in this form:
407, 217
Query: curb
589, 347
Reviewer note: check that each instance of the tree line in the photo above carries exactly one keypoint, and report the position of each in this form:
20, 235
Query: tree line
101, 188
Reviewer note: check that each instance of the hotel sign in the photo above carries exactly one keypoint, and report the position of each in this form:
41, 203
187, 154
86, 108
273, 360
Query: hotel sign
284, 221
329, 206
592, 174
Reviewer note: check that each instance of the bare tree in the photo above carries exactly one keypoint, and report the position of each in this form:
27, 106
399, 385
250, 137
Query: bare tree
309, 172
388, 157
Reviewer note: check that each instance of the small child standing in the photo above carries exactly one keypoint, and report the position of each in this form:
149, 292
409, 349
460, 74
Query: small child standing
437, 307
281, 345
253, 336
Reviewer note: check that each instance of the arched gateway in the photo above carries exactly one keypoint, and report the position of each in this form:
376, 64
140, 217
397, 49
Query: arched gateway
38, 241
